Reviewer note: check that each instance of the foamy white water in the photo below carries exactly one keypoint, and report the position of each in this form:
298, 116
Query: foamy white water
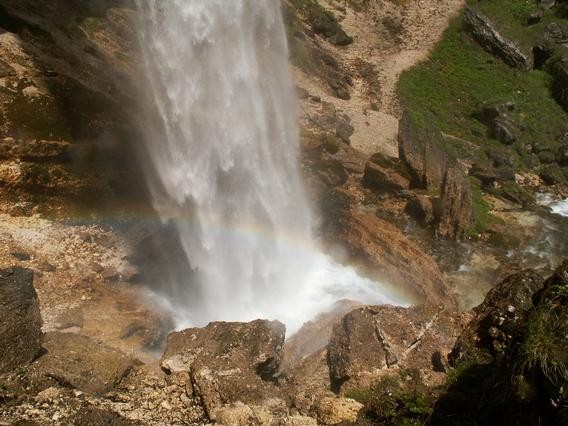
559, 207
225, 153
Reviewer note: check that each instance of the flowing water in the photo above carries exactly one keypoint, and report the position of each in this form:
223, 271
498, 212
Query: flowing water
559, 207
224, 155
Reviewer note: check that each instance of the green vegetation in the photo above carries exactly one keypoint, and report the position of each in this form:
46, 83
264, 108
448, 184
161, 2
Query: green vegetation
460, 77
395, 400
448, 91
331, 143
360, 395
514, 192
481, 210
524, 381
544, 346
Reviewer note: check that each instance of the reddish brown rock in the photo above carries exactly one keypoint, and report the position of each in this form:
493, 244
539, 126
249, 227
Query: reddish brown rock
384, 252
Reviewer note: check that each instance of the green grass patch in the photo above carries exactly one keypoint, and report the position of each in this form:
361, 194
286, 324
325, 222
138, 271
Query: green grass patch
460, 77
402, 400
481, 210
544, 345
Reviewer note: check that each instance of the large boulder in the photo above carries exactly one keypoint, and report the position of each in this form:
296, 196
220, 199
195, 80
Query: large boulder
83, 363
20, 319
228, 362
553, 174
484, 32
499, 318
371, 339
502, 126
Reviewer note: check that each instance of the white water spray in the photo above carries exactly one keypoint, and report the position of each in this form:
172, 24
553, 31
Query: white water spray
559, 207
225, 153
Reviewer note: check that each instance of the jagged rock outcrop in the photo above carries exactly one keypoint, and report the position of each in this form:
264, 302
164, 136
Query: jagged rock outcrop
65, 114
456, 205
426, 162
499, 318
375, 338
20, 319
514, 349
303, 20
432, 169
502, 126
421, 207
484, 32
490, 175
82, 363
228, 362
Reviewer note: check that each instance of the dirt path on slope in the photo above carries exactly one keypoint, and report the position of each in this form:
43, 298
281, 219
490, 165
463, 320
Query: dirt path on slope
392, 38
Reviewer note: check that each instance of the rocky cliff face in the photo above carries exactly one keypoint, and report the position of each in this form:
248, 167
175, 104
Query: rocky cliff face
67, 91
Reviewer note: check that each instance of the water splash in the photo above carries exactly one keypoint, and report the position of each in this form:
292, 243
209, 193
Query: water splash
224, 151
559, 207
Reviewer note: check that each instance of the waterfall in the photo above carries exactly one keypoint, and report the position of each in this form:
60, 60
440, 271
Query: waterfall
224, 154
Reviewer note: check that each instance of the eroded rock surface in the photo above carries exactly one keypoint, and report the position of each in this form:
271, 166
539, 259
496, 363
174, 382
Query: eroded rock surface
82, 363
426, 162
499, 318
485, 33
20, 319
381, 247
434, 170
372, 339
228, 362
456, 205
